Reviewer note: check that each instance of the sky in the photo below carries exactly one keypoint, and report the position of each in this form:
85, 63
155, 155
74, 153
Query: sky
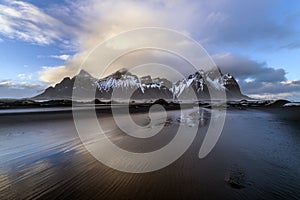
258, 42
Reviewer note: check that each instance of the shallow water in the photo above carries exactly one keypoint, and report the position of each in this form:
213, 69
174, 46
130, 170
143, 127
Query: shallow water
41, 156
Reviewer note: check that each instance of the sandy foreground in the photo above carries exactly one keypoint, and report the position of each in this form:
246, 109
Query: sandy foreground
256, 157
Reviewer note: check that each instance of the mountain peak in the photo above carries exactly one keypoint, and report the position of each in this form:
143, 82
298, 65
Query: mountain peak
118, 74
83, 73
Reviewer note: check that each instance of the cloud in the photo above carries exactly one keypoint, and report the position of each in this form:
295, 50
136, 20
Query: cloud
100, 20
26, 22
244, 23
294, 82
216, 23
53, 75
61, 57
292, 45
270, 90
242, 67
97, 21
25, 76
256, 78
287, 95
10, 88
211, 22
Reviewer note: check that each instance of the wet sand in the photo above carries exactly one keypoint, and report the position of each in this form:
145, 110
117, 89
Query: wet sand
42, 157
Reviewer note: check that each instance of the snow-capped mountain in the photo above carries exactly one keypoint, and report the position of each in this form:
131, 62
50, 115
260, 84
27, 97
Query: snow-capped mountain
141, 88
201, 83
145, 87
120, 79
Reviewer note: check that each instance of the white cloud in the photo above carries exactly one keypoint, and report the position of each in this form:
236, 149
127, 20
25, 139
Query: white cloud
61, 57
10, 88
22, 76
285, 95
53, 75
24, 21
15, 84
25, 76
100, 20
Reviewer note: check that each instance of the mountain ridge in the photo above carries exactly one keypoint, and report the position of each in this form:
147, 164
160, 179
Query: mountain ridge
145, 87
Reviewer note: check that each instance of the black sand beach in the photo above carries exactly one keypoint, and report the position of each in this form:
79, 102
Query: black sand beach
256, 157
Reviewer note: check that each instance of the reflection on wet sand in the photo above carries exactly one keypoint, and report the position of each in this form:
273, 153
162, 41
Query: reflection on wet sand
42, 157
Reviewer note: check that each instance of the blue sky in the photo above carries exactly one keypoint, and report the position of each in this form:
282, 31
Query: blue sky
256, 41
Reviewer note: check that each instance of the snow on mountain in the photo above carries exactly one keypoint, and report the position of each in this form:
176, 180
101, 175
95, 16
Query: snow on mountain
124, 80
120, 79
200, 83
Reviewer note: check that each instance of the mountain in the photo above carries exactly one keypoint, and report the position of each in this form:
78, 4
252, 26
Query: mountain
122, 83
64, 89
198, 83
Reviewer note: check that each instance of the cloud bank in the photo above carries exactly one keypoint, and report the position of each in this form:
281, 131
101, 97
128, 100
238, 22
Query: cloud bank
256, 78
10, 88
